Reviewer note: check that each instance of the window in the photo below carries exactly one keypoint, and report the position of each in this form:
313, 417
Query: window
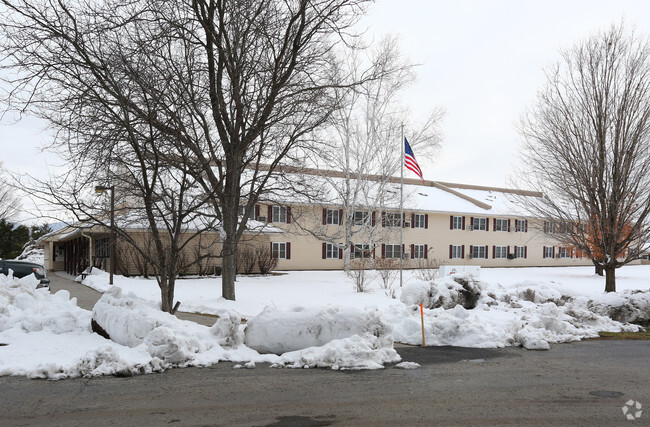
500, 251
479, 224
548, 227
521, 225
332, 217
360, 217
563, 253
501, 224
392, 251
456, 251
361, 251
457, 223
478, 251
103, 247
419, 251
279, 214
331, 251
549, 252
280, 250
419, 221
520, 252
242, 210
392, 219
59, 253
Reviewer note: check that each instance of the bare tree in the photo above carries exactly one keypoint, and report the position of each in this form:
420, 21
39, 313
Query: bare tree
9, 202
363, 140
224, 85
586, 147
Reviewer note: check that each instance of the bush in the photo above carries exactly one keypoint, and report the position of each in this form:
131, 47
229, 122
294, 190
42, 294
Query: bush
265, 260
357, 273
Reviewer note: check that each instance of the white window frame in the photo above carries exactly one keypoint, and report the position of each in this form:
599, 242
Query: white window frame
331, 251
361, 252
360, 217
500, 252
279, 250
520, 225
500, 224
393, 251
279, 214
520, 251
548, 251
482, 223
241, 210
419, 221
392, 219
548, 227
477, 250
418, 251
456, 251
332, 217
457, 222
563, 252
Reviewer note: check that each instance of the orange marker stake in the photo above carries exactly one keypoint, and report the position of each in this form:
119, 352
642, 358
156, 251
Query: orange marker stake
422, 317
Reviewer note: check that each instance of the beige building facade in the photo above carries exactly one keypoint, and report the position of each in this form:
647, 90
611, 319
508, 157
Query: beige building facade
441, 224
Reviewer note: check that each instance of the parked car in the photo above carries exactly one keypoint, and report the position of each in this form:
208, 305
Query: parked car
25, 268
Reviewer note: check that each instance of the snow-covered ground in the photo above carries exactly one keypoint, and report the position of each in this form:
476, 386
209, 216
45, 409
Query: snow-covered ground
306, 319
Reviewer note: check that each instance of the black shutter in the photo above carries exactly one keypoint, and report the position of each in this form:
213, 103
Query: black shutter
324, 250
324, 216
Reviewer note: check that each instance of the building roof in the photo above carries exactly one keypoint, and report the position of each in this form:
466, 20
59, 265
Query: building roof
430, 196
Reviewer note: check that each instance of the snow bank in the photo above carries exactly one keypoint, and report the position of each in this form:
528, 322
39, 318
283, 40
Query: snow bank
48, 336
132, 321
446, 292
355, 352
530, 315
279, 331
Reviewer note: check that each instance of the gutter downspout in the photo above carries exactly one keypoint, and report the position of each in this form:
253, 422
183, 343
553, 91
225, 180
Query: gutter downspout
90, 249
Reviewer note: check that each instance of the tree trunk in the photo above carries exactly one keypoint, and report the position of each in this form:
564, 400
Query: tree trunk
166, 298
228, 269
610, 279
598, 268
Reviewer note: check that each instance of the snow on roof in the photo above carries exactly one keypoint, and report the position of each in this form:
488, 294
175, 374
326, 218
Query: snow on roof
432, 196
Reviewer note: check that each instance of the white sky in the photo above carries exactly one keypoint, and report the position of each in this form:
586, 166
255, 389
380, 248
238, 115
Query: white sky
481, 60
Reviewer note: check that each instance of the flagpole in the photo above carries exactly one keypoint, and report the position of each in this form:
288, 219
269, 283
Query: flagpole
401, 209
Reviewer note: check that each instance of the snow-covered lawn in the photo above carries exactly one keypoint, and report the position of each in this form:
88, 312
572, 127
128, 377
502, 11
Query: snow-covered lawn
310, 318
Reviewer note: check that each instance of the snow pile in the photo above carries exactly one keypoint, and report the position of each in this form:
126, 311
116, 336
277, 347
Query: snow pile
280, 331
131, 321
48, 336
32, 254
355, 352
530, 314
446, 292
629, 306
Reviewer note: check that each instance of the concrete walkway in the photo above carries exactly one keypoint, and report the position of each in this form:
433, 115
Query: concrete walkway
88, 297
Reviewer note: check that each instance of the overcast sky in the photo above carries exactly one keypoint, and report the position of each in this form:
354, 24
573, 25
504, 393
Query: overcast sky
482, 61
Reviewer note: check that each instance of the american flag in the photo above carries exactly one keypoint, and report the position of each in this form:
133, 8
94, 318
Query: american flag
410, 162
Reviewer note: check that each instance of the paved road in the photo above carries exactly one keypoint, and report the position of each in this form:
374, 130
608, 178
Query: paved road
87, 297
584, 383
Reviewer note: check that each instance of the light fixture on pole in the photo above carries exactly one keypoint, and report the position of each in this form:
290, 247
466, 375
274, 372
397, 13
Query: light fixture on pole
100, 189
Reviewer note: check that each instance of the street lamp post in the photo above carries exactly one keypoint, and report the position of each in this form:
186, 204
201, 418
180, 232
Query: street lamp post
100, 189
